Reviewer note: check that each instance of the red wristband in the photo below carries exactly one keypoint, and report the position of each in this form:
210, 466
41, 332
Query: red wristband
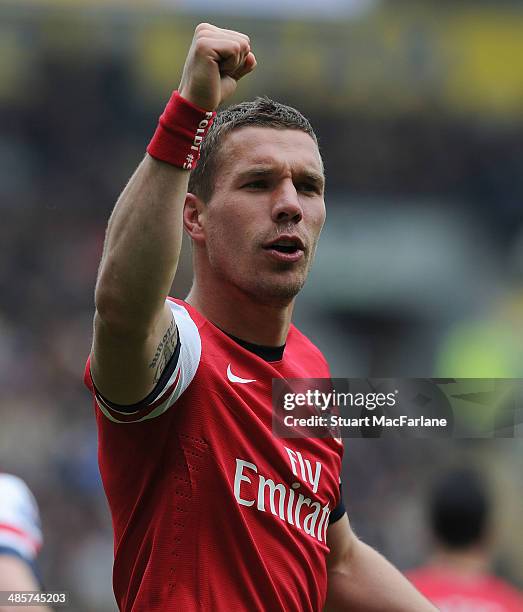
180, 132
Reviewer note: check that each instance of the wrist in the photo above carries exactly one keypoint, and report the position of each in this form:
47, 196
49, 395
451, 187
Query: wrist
180, 132
194, 102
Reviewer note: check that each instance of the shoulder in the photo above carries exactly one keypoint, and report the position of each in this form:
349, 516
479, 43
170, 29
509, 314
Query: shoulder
299, 339
184, 311
174, 376
420, 575
505, 591
190, 324
299, 345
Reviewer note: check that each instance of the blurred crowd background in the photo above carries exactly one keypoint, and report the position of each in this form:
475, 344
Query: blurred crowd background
419, 111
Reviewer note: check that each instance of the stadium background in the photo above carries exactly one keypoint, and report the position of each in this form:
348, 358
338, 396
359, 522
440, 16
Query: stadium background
419, 110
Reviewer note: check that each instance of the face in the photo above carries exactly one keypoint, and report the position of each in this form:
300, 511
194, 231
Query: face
262, 223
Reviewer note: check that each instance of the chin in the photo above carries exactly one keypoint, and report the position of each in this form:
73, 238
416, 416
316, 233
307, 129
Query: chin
272, 291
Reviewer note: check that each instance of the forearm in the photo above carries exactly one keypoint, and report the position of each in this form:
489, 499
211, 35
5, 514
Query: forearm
15, 575
142, 245
369, 583
144, 234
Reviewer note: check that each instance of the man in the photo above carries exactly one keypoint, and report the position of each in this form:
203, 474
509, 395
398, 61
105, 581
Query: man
210, 510
457, 578
20, 540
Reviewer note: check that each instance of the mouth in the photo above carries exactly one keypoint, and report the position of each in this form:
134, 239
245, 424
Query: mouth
286, 248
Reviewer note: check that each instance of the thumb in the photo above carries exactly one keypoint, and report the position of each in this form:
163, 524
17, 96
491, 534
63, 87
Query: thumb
248, 65
230, 81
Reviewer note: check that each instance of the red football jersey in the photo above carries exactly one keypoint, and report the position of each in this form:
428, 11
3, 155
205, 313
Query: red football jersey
454, 593
210, 510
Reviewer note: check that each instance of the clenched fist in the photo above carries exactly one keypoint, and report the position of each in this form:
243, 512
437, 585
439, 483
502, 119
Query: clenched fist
217, 59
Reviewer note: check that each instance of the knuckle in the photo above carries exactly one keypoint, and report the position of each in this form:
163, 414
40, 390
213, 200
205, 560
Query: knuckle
201, 45
203, 33
203, 26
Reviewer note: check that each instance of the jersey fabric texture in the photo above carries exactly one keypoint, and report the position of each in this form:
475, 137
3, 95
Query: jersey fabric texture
20, 531
453, 593
210, 510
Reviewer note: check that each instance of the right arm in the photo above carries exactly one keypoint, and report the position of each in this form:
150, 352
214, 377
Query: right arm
134, 331
138, 265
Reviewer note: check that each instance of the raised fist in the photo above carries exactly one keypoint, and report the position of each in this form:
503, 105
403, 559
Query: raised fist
216, 61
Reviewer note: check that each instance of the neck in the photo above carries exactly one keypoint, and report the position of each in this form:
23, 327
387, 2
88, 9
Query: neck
240, 315
470, 562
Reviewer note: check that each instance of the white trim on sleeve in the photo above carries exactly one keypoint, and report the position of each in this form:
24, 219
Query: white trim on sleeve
180, 379
19, 517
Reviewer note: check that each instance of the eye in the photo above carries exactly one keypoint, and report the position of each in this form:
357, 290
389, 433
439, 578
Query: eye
308, 187
256, 185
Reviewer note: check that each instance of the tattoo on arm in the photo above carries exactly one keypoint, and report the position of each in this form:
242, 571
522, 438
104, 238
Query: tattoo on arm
164, 351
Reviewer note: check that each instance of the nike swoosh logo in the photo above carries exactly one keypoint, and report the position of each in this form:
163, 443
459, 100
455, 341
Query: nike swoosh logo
236, 379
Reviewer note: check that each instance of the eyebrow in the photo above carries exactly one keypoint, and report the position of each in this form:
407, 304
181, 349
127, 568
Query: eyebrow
266, 171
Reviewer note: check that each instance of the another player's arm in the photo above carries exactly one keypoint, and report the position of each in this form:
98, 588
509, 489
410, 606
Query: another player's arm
133, 326
15, 575
359, 578
20, 540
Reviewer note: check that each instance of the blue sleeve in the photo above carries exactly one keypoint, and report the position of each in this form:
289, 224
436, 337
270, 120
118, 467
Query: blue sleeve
33, 566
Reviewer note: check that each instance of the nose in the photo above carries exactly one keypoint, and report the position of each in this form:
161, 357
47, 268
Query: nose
286, 203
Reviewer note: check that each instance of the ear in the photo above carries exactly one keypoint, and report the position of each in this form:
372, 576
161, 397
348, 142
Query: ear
194, 217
